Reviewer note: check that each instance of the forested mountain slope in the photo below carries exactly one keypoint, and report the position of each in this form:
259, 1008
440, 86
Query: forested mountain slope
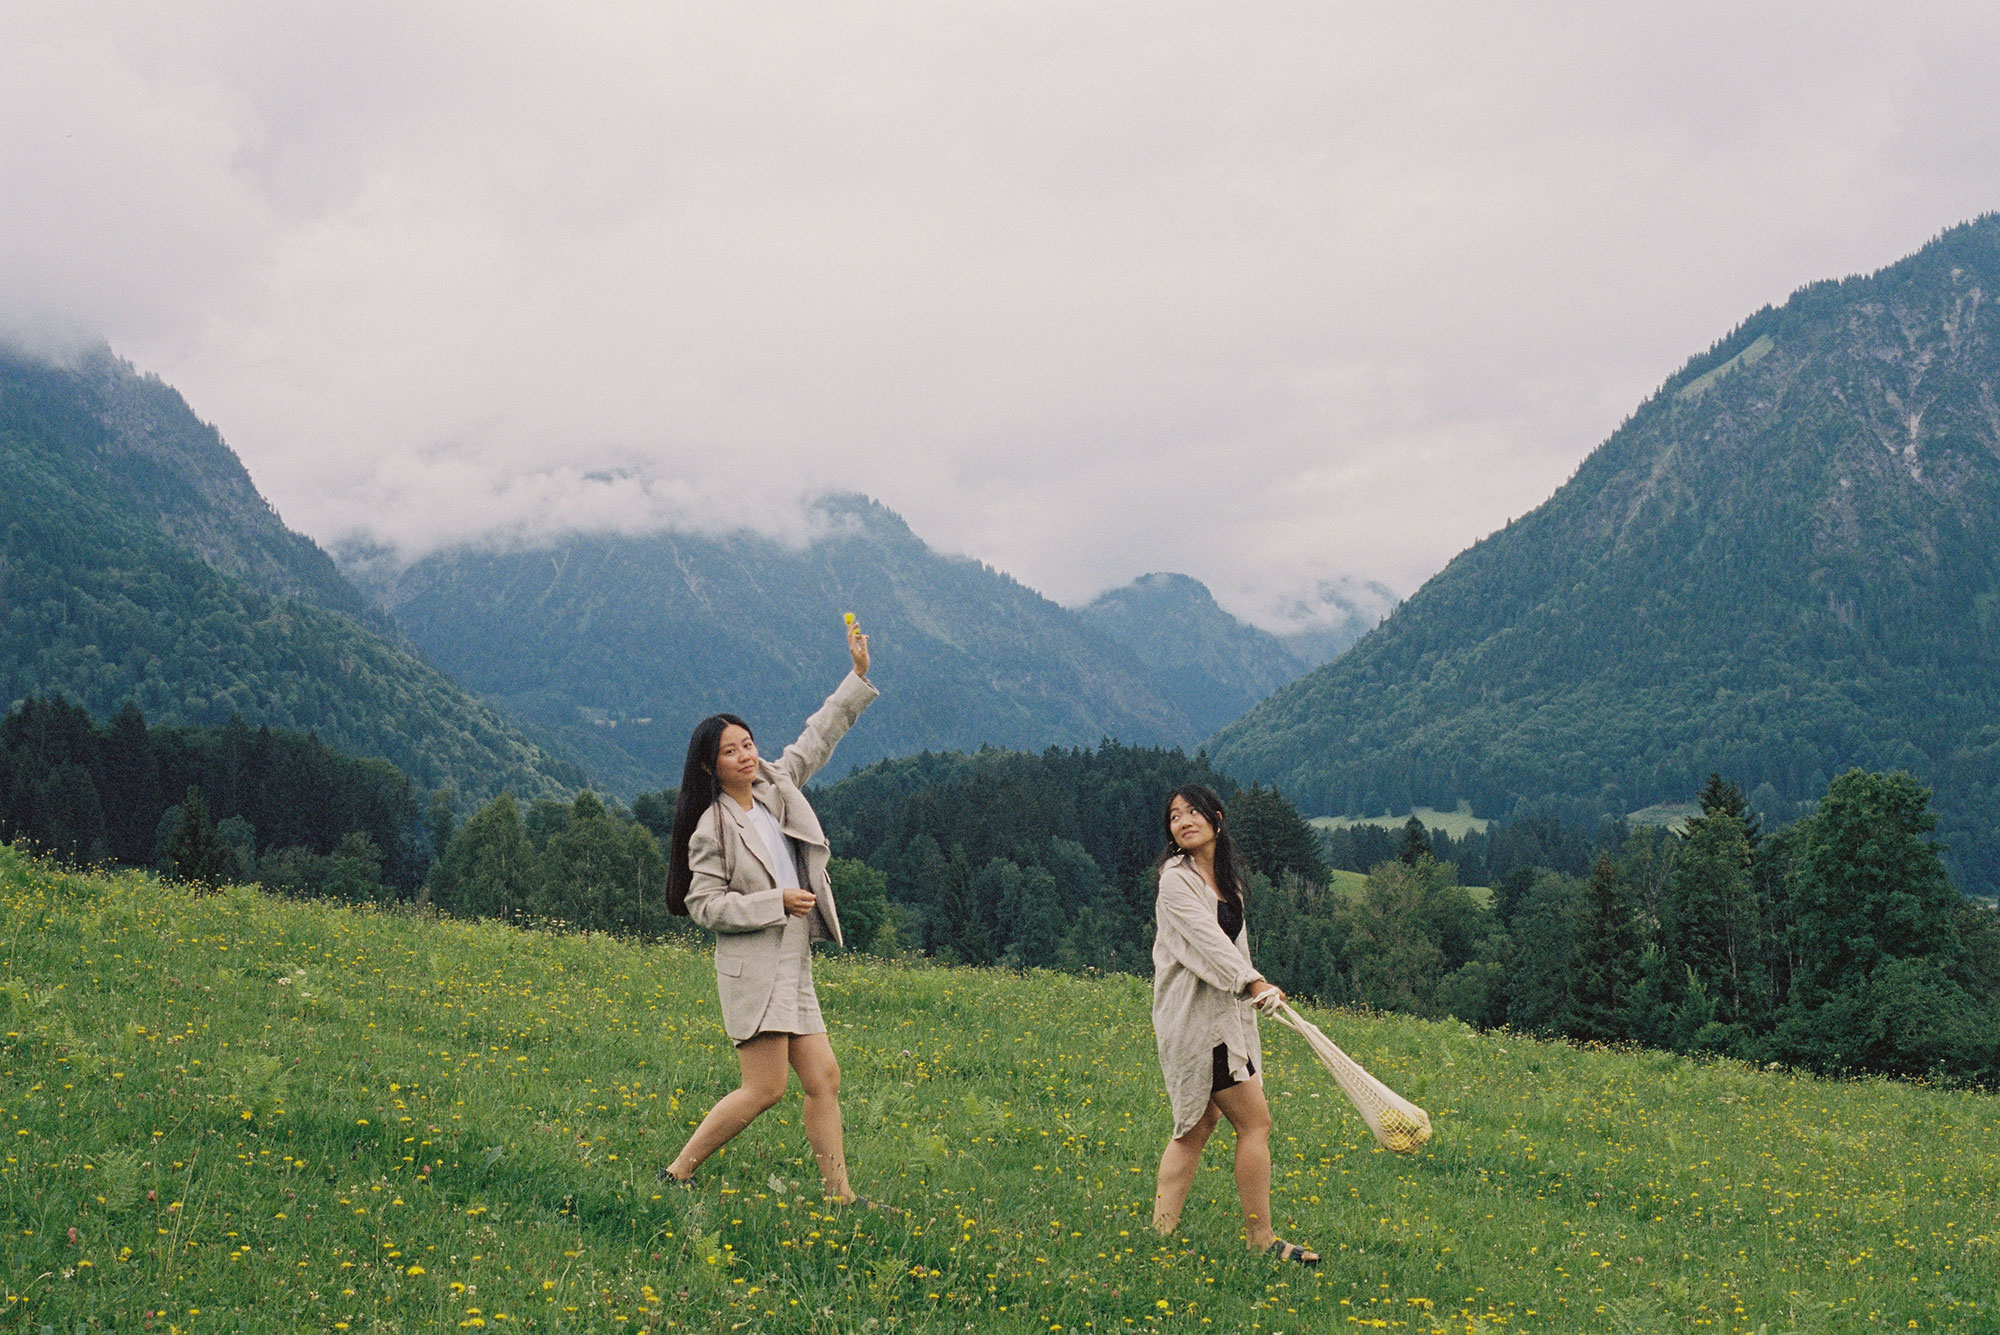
1786, 563
1213, 664
138, 562
618, 644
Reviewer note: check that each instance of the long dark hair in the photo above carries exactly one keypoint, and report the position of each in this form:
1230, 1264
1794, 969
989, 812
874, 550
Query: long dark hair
697, 795
1203, 799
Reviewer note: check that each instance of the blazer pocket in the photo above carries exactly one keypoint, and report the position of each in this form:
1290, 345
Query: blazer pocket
732, 967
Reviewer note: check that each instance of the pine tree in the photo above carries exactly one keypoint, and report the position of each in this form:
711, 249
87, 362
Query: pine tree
1542, 976
131, 770
1271, 837
997, 888
1720, 797
1416, 843
916, 876
440, 822
239, 836
194, 855
1087, 945
1608, 949
1045, 915
68, 816
962, 928
1711, 923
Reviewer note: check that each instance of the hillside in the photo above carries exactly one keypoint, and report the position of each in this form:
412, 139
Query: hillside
617, 645
138, 562
1214, 665
286, 1116
1786, 563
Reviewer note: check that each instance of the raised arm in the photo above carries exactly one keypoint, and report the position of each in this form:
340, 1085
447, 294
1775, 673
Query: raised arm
1185, 913
830, 722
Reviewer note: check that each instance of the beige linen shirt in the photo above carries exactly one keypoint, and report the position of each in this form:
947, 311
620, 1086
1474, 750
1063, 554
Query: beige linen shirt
733, 888
1201, 983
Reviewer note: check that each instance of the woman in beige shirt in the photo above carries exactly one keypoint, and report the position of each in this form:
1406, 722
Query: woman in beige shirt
1204, 987
748, 862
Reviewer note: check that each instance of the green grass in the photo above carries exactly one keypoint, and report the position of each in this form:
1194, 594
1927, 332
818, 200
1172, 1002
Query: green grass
1457, 823
1750, 356
1352, 886
239, 1113
1666, 815
1349, 885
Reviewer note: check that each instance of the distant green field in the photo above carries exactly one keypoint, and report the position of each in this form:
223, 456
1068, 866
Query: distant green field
1666, 815
236, 1113
1457, 823
1351, 885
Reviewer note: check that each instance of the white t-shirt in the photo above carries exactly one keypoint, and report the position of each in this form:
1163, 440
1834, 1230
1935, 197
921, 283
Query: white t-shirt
775, 844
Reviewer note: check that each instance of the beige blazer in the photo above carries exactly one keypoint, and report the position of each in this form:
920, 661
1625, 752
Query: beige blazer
1201, 989
733, 890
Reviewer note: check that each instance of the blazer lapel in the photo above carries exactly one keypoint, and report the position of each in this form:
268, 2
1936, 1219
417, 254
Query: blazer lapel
766, 789
747, 835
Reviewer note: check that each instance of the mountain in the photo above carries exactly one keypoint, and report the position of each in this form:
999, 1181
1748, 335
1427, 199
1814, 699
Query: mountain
1328, 622
165, 467
617, 645
1213, 665
1784, 564
137, 561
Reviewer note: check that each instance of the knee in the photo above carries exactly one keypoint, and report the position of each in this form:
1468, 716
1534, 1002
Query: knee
1254, 1122
763, 1094
823, 1083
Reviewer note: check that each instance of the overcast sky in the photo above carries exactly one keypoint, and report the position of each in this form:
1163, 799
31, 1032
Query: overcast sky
1276, 295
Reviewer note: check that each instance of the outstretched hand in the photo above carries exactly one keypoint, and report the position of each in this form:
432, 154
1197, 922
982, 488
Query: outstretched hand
857, 646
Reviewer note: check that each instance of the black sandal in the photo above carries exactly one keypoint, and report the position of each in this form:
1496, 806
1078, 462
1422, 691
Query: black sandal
1291, 1251
684, 1183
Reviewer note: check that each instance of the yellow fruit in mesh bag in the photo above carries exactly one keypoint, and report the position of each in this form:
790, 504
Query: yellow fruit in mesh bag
1400, 1132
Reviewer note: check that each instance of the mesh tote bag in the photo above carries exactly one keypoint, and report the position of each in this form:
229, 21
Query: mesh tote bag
1397, 1123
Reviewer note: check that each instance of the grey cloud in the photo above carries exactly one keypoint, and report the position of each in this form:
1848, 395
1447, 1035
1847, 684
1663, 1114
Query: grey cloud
1282, 297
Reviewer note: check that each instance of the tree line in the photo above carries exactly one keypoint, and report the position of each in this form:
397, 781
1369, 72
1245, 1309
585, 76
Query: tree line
208, 804
1836, 943
1038, 860
218, 805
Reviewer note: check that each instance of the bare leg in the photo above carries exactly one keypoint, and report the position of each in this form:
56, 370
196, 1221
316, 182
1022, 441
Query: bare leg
819, 1075
1243, 1104
763, 1061
1177, 1165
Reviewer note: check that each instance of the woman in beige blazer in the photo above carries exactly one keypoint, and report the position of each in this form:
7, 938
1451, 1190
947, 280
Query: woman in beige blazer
748, 862
1204, 989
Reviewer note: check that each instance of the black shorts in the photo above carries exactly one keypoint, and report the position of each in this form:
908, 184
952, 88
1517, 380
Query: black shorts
1223, 1079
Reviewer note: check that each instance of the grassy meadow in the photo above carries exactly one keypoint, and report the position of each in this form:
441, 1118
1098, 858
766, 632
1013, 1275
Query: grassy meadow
1352, 886
232, 1112
1457, 824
